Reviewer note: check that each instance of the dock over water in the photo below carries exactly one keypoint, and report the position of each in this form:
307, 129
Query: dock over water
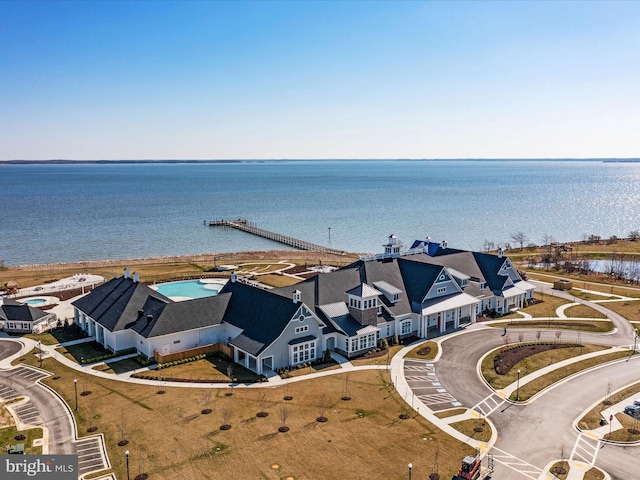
246, 226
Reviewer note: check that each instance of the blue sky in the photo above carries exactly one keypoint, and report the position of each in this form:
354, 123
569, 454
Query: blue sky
348, 79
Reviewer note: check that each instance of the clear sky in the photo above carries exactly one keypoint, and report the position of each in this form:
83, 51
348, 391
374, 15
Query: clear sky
305, 79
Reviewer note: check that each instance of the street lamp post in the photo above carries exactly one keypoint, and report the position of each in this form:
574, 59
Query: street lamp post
75, 387
126, 454
518, 387
410, 468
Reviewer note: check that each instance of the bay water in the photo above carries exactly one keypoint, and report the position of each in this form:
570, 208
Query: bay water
58, 212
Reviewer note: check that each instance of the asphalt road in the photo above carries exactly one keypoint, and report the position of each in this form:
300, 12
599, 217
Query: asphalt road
532, 435
51, 411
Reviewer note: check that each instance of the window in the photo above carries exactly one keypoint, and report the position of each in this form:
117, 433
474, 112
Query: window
304, 352
301, 318
302, 329
442, 289
364, 342
405, 328
396, 297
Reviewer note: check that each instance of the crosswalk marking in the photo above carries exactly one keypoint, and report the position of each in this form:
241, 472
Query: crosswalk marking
489, 405
520, 466
585, 449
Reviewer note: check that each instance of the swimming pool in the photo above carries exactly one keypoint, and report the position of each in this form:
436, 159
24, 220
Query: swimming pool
36, 301
189, 289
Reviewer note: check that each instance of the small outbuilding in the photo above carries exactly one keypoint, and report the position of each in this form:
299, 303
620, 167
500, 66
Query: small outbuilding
562, 284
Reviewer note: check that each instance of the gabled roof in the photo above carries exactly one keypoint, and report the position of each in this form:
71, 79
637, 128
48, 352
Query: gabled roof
490, 266
261, 314
418, 278
120, 302
19, 312
182, 316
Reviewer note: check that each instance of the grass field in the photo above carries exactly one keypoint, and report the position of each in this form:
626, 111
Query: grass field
530, 389
531, 364
577, 325
170, 438
547, 308
169, 268
592, 419
7, 438
583, 311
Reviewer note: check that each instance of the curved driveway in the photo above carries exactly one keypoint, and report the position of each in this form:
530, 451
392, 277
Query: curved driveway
531, 435
45, 409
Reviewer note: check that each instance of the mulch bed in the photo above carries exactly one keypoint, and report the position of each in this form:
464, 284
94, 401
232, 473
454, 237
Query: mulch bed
506, 359
322, 419
424, 351
262, 414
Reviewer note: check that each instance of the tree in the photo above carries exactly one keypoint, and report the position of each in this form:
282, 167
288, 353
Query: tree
123, 426
634, 235
548, 239
519, 238
284, 415
262, 401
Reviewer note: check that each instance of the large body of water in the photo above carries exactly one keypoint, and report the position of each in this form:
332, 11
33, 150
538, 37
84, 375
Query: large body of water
59, 213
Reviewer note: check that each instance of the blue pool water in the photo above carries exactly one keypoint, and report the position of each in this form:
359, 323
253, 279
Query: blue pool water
190, 288
36, 301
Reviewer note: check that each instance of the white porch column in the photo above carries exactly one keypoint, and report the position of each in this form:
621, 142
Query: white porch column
472, 309
443, 322
456, 318
235, 355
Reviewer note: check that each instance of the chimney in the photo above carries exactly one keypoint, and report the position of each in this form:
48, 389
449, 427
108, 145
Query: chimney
149, 319
127, 273
136, 277
234, 277
297, 296
500, 252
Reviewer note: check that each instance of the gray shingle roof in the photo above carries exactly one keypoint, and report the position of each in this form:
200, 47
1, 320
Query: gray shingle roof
19, 312
261, 314
117, 304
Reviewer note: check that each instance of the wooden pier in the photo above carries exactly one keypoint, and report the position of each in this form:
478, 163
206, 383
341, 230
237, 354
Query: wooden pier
246, 226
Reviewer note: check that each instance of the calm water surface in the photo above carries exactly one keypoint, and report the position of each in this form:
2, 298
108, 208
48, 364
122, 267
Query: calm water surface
55, 213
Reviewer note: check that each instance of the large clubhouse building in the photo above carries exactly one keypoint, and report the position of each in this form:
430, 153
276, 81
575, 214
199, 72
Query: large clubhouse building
424, 290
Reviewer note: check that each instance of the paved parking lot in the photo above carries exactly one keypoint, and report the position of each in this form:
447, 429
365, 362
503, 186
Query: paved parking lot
422, 379
90, 455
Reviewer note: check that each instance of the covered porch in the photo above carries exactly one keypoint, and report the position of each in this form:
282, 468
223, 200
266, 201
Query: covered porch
447, 312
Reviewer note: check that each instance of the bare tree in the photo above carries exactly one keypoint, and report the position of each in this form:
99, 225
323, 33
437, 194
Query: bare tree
520, 238
323, 403
538, 334
141, 458
205, 399
607, 395
520, 337
558, 335
226, 418
123, 426
284, 416
548, 239
91, 412
262, 401
634, 235
346, 396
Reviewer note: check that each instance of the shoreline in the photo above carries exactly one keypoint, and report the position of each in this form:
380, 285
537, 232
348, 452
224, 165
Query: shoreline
194, 258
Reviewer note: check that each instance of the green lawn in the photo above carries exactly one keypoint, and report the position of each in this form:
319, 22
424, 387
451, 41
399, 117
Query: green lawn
7, 439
